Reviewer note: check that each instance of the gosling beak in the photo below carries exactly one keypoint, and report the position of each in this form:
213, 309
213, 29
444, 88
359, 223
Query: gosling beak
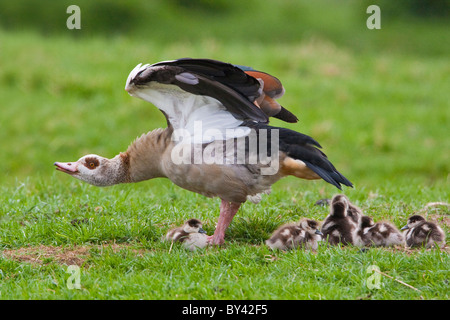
405, 227
67, 167
318, 232
201, 230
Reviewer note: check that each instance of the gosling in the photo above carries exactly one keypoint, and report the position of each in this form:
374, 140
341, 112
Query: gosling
191, 235
303, 234
381, 234
418, 233
341, 225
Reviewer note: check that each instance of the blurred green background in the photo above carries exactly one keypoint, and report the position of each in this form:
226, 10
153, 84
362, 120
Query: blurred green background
377, 100
418, 25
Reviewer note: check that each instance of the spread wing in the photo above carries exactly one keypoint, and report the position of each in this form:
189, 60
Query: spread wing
220, 95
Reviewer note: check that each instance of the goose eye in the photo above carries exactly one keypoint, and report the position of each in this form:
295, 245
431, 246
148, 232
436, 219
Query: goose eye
91, 163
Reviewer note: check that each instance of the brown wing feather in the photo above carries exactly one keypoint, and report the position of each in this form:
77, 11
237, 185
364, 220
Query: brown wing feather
272, 89
272, 86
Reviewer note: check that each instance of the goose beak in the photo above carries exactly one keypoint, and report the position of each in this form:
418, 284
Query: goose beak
319, 232
201, 230
67, 167
405, 227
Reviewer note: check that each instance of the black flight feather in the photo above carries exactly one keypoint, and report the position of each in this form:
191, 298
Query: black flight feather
302, 147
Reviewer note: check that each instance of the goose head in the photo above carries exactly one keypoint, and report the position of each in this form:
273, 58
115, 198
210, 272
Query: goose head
413, 221
93, 169
193, 226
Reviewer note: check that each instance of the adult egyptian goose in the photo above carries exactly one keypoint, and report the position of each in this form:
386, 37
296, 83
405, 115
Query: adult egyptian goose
302, 234
217, 142
341, 224
377, 234
191, 235
418, 232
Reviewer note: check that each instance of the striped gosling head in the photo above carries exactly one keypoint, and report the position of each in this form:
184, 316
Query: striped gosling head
341, 207
193, 226
366, 222
413, 221
310, 226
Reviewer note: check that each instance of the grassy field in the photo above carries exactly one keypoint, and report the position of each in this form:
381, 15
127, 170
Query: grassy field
380, 110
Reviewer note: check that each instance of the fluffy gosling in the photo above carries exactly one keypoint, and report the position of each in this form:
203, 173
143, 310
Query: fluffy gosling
303, 234
418, 232
377, 234
191, 235
341, 225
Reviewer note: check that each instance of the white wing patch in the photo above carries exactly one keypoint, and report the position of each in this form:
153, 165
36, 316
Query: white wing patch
134, 72
202, 118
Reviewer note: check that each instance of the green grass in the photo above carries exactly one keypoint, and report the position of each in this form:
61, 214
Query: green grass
141, 266
125, 258
379, 111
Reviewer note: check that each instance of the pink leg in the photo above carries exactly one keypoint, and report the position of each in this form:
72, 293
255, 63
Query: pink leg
227, 212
